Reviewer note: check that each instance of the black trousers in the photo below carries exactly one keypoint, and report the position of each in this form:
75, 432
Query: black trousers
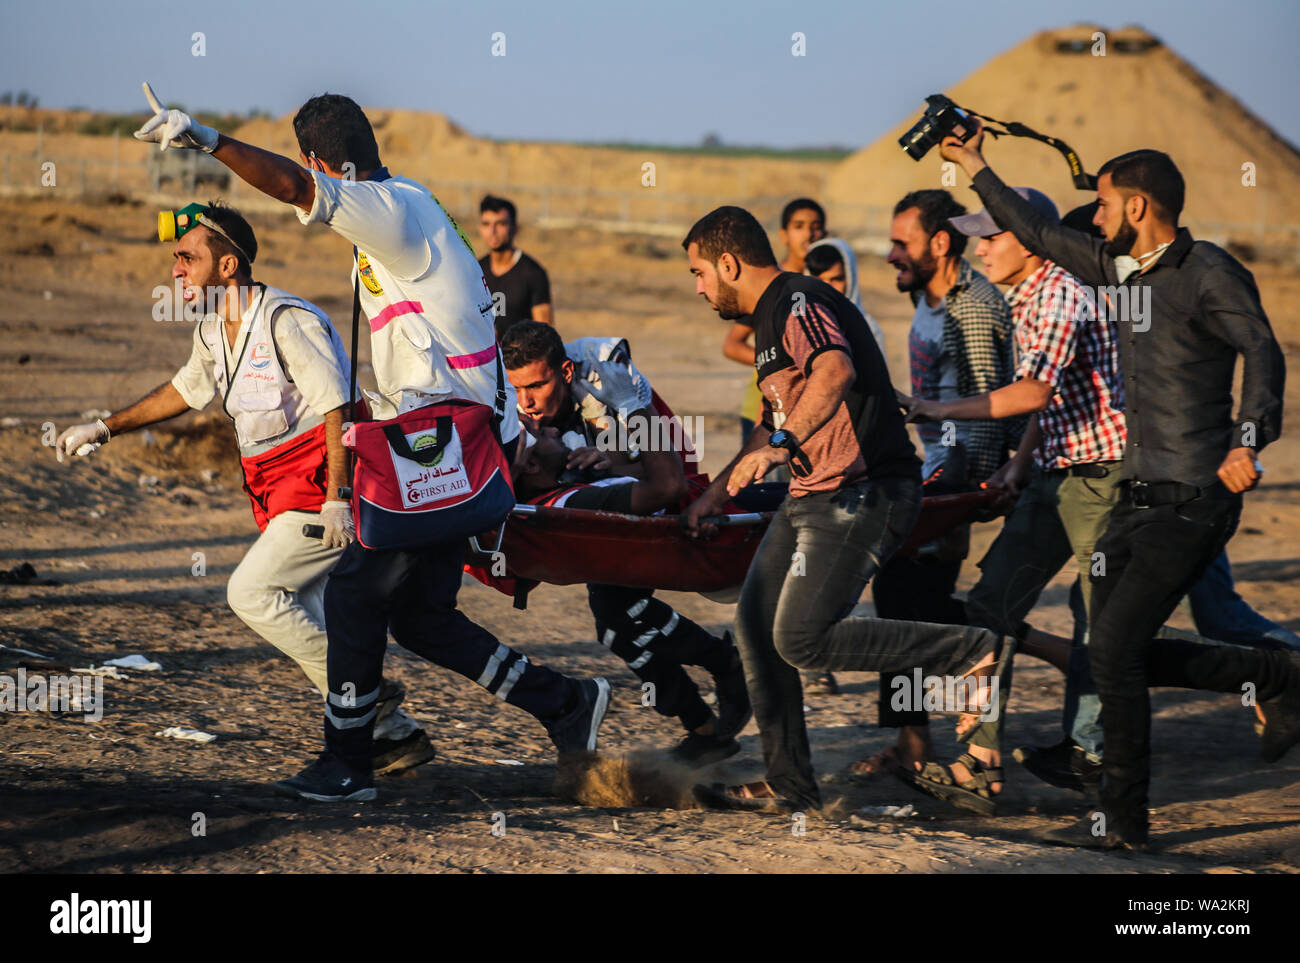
1151, 557
413, 593
808, 573
655, 642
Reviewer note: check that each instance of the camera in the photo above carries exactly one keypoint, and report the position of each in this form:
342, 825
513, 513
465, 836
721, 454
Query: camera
941, 118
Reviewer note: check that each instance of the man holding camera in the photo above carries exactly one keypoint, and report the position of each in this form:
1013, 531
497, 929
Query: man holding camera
1186, 462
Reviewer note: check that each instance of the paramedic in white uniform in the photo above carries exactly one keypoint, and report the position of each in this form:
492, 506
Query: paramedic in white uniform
280, 371
432, 337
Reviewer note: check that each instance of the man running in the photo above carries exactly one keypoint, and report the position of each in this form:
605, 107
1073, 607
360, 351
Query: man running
1189, 309
431, 337
281, 372
831, 415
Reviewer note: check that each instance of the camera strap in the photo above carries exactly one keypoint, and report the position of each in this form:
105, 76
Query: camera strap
1082, 180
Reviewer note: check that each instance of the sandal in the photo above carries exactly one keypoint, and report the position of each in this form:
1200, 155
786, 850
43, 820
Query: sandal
756, 797
864, 771
974, 794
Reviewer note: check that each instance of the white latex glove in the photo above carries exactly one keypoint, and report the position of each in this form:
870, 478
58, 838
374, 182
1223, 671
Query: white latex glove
175, 128
81, 439
336, 517
611, 383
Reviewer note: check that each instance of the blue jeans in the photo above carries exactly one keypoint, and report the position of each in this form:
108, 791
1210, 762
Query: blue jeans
1221, 614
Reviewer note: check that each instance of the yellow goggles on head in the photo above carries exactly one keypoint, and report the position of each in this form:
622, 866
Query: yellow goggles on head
173, 225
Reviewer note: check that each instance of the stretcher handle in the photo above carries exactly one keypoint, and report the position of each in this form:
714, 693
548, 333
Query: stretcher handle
318, 531
747, 518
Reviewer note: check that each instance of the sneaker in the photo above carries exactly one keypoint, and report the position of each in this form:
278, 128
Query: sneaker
1063, 765
698, 750
1084, 835
576, 732
734, 710
391, 756
329, 779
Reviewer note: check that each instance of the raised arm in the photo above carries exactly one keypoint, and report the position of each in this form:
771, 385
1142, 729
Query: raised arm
1081, 254
273, 175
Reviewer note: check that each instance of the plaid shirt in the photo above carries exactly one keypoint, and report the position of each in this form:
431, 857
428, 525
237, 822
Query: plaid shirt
1064, 343
978, 334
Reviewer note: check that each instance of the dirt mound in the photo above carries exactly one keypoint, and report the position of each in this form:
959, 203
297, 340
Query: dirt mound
1139, 94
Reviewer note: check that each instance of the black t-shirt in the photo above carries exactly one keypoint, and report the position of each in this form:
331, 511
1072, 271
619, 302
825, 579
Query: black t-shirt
798, 318
517, 292
609, 498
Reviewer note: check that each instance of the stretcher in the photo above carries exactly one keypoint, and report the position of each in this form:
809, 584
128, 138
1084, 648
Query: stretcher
569, 546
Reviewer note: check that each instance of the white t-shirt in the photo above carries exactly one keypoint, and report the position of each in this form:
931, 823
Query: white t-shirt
432, 334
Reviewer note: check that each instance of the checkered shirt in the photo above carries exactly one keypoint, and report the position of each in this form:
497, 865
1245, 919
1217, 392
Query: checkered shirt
1062, 341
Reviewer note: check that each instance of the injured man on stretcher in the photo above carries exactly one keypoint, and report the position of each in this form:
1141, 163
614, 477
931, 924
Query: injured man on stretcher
655, 641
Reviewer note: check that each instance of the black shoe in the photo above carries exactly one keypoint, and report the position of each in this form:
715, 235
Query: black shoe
576, 732
1281, 721
391, 756
1091, 832
329, 779
734, 710
698, 750
1063, 765
754, 797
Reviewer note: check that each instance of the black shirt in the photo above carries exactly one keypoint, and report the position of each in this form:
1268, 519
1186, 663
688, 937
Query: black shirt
521, 288
1177, 359
797, 319
609, 498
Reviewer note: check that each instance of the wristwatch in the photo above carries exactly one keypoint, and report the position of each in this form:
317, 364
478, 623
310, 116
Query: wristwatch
799, 463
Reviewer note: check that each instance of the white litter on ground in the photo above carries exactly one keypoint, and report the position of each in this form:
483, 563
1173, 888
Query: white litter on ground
893, 812
107, 671
14, 648
507, 762
138, 662
193, 735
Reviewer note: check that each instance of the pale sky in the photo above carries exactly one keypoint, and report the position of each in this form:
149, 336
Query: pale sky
664, 71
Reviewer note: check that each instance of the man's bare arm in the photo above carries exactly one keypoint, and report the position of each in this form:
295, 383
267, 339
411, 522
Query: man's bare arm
1021, 397
336, 456
737, 346
158, 405
832, 374
272, 174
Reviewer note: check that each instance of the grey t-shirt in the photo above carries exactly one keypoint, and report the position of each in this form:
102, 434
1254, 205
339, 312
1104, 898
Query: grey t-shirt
934, 377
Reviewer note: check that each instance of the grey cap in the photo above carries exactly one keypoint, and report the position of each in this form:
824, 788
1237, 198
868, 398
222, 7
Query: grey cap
981, 223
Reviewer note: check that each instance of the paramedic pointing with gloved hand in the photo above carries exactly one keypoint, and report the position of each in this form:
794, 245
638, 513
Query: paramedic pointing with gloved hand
280, 372
432, 338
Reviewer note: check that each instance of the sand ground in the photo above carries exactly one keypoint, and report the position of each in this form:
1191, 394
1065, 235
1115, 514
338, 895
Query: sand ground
112, 796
